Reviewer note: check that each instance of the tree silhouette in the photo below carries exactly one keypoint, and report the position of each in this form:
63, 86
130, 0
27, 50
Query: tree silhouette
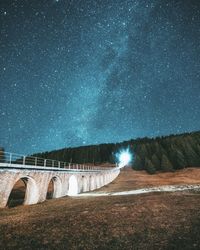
2, 155
150, 154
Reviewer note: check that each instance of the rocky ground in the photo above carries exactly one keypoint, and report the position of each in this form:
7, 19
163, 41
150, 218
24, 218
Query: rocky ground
165, 220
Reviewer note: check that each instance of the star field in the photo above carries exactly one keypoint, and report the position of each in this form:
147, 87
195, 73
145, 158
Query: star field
80, 72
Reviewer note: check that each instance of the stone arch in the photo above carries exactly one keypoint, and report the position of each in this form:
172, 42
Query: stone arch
85, 184
31, 190
92, 183
56, 191
73, 186
102, 180
99, 181
105, 178
82, 183
96, 182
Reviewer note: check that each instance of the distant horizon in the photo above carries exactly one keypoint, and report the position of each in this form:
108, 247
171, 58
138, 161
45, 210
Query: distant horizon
118, 142
138, 138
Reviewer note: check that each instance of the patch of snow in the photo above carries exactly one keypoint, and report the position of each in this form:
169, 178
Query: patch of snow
170, 188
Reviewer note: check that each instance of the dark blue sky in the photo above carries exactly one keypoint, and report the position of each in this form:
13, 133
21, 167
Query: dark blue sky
79, 72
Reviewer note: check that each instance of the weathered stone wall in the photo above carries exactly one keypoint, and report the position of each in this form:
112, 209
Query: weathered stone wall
38, 182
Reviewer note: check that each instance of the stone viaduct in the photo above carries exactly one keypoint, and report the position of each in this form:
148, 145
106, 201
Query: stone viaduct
65, 181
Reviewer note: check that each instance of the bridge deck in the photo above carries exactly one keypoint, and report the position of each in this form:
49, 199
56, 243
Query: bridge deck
32, 167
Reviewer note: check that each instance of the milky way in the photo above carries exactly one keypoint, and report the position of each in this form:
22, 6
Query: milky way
80, 72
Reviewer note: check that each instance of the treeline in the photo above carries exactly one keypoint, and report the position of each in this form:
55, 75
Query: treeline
95, 154
2, 155
162, 153
168, 153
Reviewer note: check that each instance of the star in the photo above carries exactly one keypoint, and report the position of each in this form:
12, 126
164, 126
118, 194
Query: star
83, 72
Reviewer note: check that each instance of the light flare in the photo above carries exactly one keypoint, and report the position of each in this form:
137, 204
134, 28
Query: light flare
124, 157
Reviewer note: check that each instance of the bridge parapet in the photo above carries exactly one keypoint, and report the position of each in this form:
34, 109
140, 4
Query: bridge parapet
14, 160
67, 180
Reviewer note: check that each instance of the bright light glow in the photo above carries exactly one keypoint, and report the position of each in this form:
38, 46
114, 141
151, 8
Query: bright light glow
73, 186
124, 158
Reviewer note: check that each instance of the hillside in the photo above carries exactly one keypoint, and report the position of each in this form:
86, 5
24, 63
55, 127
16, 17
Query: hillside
151, 154
166, 220
130, 179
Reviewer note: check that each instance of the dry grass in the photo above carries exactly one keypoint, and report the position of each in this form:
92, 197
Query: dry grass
147, 221
130, 179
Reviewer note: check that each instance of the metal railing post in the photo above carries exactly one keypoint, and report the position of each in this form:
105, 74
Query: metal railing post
12, 158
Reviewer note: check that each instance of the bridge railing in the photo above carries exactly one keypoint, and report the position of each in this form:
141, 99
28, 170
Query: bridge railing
9, 159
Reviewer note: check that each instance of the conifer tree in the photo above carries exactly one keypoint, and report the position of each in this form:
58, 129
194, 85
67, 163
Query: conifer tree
193, 159
198, 149
2, 155
150, 168
166, 164
180, 159
156, 162
138, 165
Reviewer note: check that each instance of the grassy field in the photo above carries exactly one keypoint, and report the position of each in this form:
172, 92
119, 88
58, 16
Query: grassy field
146, 221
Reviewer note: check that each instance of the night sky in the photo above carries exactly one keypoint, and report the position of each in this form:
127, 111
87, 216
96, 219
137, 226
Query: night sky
80, 72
